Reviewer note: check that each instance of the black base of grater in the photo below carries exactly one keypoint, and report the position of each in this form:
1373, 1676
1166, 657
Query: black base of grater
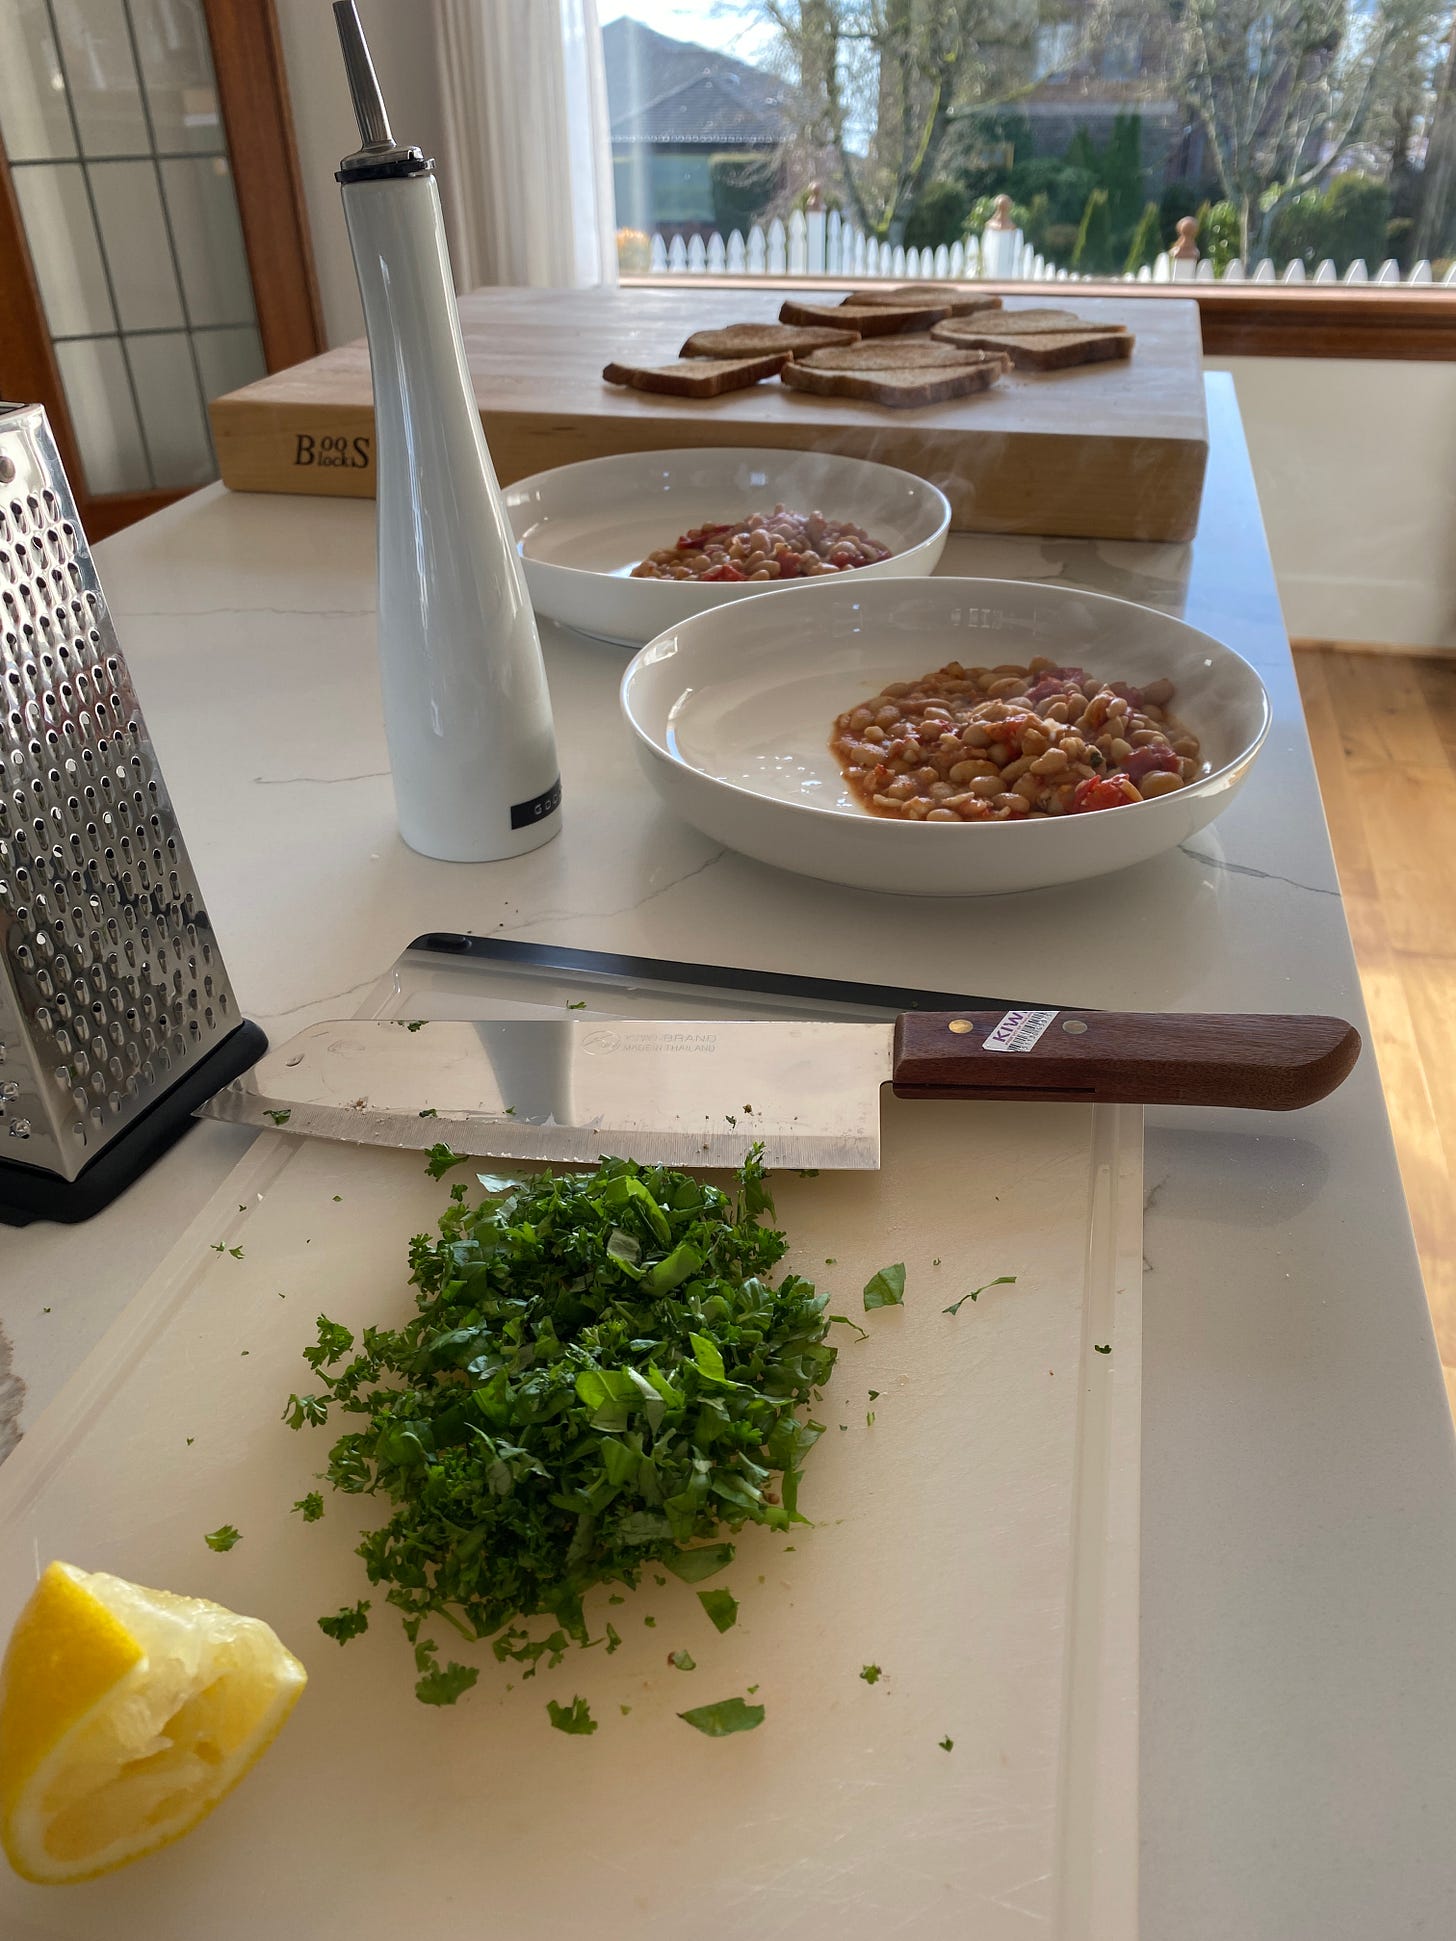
27, 1193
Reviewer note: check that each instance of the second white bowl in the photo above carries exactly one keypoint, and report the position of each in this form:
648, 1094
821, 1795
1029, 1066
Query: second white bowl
582, 528
732, 713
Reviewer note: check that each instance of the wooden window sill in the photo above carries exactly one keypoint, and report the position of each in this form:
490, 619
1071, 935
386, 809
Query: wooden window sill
1395, 320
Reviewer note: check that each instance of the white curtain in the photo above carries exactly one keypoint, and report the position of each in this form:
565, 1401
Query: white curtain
527, 174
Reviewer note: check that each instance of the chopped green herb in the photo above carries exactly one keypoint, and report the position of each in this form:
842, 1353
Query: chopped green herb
311, 1409
751, 1690
614, 1638
728, 1715
887, 1288
694, 1565
830, 1260
721, 1607
600, 1377
874, 1395
440, 1684
338, 1197
808, 1172
510, 1114
871, 1674
575, 1717
579, 1005
279, 1119
936, 1261
236, 1252
684, 1660
616, 1598
440, 1159
223, 1538
310, 1507
624, 1710
947, 1745
429, 1113
869, 1418
863, 1333
351, 1622
190, 1441
411, 1024
650, 1622
1001, 1280
1101, 1348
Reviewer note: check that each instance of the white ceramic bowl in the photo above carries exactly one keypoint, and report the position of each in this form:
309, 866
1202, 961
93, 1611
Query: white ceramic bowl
582, 528
732, 711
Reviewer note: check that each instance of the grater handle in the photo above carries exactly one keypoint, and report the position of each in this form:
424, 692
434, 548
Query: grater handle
364, 89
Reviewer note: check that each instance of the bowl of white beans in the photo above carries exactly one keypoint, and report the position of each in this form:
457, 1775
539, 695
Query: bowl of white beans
620, 548
944, 737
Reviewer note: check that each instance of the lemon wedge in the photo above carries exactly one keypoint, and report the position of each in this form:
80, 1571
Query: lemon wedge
125, 1716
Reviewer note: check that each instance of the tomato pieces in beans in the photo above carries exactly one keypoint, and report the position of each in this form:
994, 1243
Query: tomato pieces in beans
998, 744
779, 545
1103, 792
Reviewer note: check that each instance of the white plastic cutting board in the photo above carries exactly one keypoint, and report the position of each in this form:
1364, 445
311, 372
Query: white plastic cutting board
978, 1541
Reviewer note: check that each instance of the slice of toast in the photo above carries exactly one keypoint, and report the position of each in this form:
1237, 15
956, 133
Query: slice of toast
869, 319
1060, 350
765, 339
895, 354
697, 377
960, 303
926, 384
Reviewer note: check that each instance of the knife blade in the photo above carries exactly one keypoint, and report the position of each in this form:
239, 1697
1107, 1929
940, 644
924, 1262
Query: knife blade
699, 1092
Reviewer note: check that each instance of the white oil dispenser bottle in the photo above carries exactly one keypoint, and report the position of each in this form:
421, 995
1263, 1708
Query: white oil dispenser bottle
466, 709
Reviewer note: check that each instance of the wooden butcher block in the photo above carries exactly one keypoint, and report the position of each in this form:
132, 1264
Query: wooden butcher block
1107, 451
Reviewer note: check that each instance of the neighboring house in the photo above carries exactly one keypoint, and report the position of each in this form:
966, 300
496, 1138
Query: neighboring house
1095, 64
672, 107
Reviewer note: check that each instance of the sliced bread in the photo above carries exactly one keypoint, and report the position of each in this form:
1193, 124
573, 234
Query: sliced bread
925, 384
764, 339
697, 377
960, 303
895, 354
869, 319
1060, 350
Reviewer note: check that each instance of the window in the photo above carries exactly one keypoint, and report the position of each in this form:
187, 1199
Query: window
1294, 150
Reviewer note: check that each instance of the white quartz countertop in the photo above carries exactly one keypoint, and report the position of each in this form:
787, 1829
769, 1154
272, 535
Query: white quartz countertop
1299, 1489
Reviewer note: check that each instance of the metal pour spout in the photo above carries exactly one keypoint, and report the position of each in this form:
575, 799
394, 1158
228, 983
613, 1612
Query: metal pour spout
379, 148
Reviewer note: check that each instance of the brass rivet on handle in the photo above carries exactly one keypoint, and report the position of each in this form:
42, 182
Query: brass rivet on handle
1074, 1025
960, 1025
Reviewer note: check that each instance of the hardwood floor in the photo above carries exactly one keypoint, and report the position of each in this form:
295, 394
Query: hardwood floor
1384, 733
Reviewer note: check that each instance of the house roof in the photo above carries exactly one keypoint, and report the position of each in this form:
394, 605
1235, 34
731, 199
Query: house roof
674, 92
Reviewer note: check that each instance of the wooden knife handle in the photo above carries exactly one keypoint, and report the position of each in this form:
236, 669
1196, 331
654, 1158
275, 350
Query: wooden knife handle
1272, 1064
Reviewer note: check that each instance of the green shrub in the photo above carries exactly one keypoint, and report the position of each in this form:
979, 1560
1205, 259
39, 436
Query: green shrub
743, 186
939, 216
1218, 234
1147, 240
1359, 208
1065, 186
1399, 239
1121, 172
1346, 220
1092, 254
1058, 242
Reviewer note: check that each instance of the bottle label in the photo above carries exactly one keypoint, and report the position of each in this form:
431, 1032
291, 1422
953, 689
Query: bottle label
523, 814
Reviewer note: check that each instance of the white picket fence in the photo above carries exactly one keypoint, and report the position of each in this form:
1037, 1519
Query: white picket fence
820, 243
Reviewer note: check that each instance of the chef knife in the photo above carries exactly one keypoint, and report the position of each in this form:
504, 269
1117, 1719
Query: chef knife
697, 1092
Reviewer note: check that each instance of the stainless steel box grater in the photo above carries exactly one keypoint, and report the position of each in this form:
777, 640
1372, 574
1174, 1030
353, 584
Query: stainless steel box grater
116, 1013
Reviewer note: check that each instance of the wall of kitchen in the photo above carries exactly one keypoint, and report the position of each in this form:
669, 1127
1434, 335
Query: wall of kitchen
1355, 461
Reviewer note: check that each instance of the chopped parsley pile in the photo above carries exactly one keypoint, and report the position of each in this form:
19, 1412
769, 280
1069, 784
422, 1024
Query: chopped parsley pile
600, 1377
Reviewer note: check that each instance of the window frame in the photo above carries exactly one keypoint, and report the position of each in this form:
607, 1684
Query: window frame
1392, 321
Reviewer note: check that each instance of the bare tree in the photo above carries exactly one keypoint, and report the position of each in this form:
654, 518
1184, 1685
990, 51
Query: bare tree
879, 82
1285, 88
1437, 218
